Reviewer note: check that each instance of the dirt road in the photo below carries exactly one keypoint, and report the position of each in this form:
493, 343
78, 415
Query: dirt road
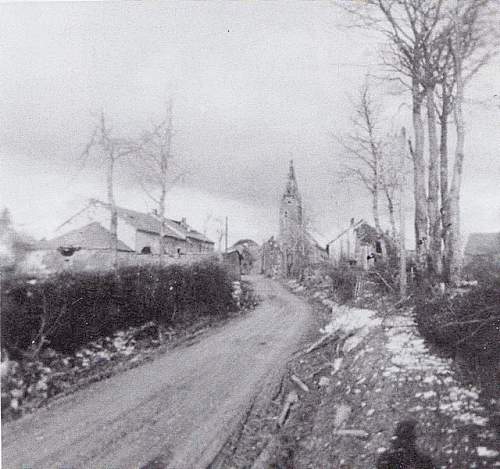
175, 412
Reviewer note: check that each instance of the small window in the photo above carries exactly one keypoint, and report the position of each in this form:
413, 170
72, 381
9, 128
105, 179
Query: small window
289, 201
378, 247
286, 213
146, 250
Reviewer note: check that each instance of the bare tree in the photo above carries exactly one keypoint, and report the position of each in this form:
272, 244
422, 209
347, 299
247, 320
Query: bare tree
155, 171
362, 150
109, 149
474, 40
422, 49
369, 158
407, 24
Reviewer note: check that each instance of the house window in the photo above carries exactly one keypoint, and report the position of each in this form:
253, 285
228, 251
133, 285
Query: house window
286, 213
146, 250
378, 247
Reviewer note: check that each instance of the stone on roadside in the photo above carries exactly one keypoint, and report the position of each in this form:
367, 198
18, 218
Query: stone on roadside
324, 381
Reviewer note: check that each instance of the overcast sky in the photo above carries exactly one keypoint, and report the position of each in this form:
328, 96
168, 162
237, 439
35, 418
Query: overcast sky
254, 84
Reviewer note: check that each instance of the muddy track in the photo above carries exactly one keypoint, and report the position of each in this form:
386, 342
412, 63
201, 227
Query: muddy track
177, 411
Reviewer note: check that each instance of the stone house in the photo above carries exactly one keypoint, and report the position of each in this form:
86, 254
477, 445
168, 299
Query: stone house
359, 244
141, 231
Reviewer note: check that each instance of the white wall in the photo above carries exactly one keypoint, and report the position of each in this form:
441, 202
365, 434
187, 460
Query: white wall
97, 213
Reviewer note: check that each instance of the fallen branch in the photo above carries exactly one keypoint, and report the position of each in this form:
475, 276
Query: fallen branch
321, 342
402, 300
291, 399
299, 383
471, 321
384, 280
352, 432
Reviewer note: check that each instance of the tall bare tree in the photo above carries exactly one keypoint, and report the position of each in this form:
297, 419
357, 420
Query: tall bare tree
473, 41
110, 149
408, 25
154, 169
362, 148
370, 159
422, 49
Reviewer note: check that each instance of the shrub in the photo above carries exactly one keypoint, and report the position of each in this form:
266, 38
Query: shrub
469, 322
485, 271
70, 309
343, 282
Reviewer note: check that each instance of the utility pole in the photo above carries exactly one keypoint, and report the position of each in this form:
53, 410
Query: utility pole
402, 228
225, 233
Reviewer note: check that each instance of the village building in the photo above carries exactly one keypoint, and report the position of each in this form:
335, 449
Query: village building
137, 231
295, 248
482, 247
91, 237
359, 244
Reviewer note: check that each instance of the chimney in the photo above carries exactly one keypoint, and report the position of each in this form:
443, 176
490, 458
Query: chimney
184, 223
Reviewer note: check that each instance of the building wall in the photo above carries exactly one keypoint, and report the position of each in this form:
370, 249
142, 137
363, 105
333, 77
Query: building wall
196, 245
172, 245
143, 240
45, 262
97, 213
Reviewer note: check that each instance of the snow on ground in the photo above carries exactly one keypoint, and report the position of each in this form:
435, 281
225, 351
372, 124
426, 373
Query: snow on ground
410, 354
436, 389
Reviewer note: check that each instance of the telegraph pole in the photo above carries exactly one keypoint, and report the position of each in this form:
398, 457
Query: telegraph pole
225, 233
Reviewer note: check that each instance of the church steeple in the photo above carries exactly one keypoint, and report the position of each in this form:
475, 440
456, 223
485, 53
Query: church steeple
292, 189
290, 211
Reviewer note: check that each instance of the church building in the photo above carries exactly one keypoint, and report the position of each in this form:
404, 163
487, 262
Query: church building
294, 249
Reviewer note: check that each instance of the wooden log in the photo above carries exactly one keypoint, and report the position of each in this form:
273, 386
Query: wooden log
291, 399
299, 383
321, 342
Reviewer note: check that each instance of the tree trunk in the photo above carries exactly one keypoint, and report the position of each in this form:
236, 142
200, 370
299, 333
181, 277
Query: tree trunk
392, 218
421, 215
375, 208
454, 248
443, 152
433, 191
402, 224
161, 206
114, 215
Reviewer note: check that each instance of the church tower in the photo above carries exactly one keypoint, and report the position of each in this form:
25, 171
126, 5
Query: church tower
291, 223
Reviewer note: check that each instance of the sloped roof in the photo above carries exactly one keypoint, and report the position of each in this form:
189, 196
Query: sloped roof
147, 222
91, 236
364, 231
188, 232
483, 244
343, 232
312, 240
151, 224
367, 233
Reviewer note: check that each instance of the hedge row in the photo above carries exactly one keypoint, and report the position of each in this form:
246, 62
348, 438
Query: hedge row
71, 309
467, 323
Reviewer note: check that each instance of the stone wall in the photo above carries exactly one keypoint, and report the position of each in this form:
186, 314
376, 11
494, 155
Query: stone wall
44, 262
